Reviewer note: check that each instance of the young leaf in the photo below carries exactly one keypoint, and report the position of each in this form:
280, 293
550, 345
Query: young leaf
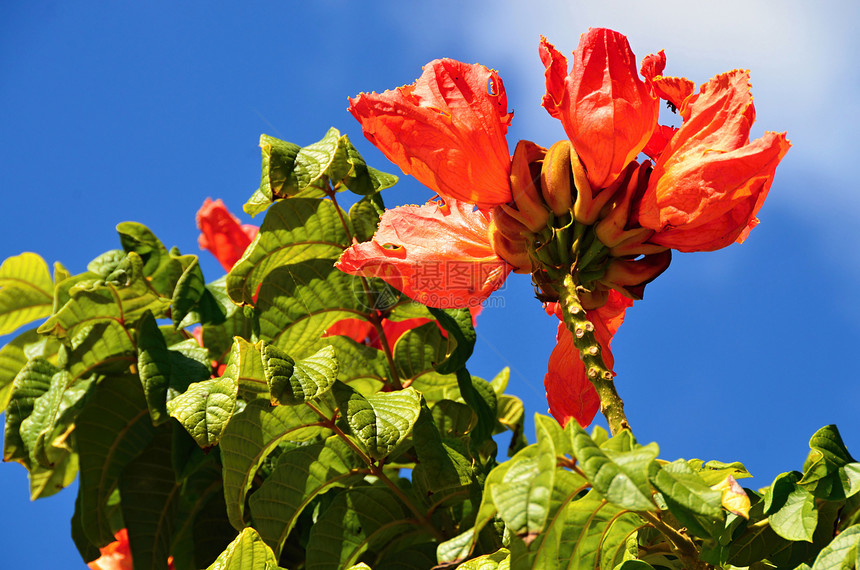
121, 302
279, 158
499, 560
379, 422
15, 355
205, 409
31, 382
247, 552
691, 501
298, 382
824, 473
26, 291
301, 475
621, 477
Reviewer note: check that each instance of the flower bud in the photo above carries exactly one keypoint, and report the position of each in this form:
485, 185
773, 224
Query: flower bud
514, 252
629, 276
556, 178
525, 170
506, 223
614, 227
589, 201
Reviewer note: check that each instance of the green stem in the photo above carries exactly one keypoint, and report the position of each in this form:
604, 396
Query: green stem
681, 543
590, 351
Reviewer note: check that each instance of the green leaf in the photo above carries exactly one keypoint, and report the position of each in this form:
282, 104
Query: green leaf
26, 291
585, 533
46, 481
31, 382
163, 373
115, 302
499, 560
379, 422
362, 179
301, 475
189, 290
111, 431
363, 367
689, 499
418, 351
842, 554
364, 217
105, 347
298, 382
45, 430
445, 466
15, 355
247, 552
824, 473
525, 496
205, 409
359, 519
479, 395
778, 492
621, 477
297, 303
278, 179
458, 323
798, 516
293, 231
139, 239
453, 419
150, 498
249, 438
512, 417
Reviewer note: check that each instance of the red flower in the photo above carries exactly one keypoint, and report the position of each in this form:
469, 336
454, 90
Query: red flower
709, 181
117, 555
223, 234
569, 392
438, 254
447, 130
607, 112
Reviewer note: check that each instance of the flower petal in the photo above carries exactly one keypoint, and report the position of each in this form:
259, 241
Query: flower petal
675, 90
569, 392
223, 235
607, 111
447, 130
438, 254
710, 181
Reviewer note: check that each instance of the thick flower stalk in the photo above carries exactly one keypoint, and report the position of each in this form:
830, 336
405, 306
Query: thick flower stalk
585, 218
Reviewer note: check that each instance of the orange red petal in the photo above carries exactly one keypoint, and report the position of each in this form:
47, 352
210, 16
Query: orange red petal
439, 255
223, 235
447, 130
710, 181
568, 391
607, 111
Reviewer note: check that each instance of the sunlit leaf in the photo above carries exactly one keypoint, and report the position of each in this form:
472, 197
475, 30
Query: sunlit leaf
380, 422
293, 382
842, 553
621, 477
293, 231
26, 291
247, 552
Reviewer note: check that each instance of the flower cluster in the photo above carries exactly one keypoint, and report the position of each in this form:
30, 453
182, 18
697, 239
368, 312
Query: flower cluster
584, 215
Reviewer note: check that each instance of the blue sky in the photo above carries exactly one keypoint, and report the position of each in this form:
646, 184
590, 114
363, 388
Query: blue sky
121, 111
